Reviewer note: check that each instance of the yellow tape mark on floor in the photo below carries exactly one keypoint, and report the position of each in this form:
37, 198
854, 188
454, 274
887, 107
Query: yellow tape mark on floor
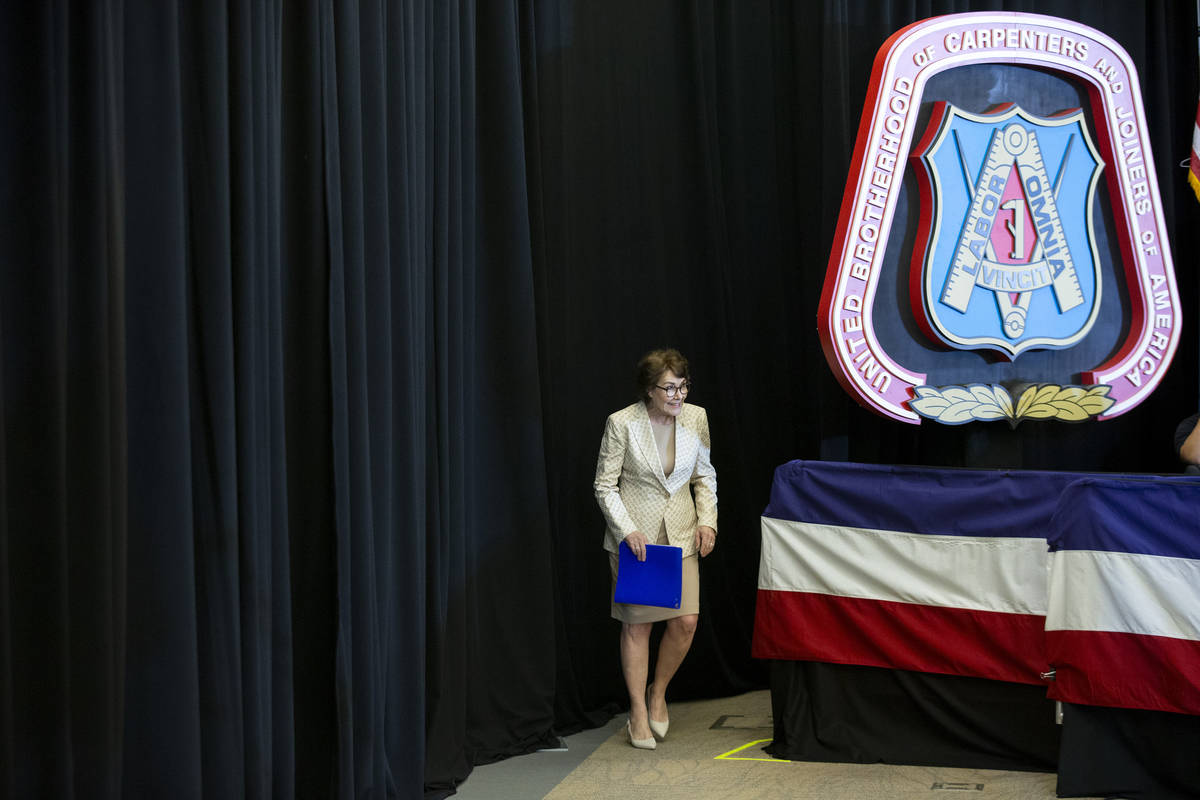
731, 757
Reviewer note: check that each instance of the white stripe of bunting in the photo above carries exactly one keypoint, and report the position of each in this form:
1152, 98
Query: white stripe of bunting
1124, 593
978, 573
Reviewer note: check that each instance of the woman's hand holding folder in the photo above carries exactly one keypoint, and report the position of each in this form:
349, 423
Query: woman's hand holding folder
637, 544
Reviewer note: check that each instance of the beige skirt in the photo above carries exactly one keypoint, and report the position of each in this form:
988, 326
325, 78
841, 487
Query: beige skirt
689, 601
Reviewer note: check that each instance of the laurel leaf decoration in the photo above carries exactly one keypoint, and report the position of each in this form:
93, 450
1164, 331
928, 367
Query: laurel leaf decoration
956, 405
958, 394
1024, 401
958, 413
1096, 401
1006, 403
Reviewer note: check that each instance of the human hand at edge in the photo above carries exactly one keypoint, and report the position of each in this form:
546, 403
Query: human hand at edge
637, 543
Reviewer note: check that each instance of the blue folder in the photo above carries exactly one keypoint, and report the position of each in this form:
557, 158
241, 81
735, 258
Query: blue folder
657, 581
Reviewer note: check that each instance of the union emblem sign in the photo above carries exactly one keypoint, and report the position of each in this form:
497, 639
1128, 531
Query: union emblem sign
1006, 254
1038, 229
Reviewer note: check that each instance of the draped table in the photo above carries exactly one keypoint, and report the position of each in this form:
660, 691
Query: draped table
934, 616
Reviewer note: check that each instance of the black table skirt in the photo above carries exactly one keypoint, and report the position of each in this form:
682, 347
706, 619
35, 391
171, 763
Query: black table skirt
866, 715
1121, 752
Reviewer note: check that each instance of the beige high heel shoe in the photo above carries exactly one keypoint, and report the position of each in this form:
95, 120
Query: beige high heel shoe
640, 744
659, 729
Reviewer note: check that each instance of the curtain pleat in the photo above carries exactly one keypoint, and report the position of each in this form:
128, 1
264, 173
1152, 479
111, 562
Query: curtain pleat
163, 667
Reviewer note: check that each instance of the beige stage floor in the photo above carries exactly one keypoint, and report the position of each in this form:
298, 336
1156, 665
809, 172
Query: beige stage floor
714, 751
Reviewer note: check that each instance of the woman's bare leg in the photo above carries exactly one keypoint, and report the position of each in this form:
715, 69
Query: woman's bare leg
635, 664
674, 646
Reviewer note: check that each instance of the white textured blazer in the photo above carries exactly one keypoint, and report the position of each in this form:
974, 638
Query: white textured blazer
632, 490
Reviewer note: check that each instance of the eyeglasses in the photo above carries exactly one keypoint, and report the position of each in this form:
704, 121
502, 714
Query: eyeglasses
671, 388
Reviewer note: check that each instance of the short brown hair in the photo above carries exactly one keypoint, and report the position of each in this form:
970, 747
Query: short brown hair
654, 364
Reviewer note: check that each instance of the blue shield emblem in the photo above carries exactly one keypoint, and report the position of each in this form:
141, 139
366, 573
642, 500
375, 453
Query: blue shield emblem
1006, 254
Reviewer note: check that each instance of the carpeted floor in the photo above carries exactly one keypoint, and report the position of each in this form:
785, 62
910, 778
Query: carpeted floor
714, 751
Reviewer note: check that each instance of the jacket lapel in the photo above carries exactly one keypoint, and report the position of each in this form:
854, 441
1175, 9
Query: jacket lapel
643, 437
686, 444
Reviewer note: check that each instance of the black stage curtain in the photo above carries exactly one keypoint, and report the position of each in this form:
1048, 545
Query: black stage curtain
310, 316
275, 518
